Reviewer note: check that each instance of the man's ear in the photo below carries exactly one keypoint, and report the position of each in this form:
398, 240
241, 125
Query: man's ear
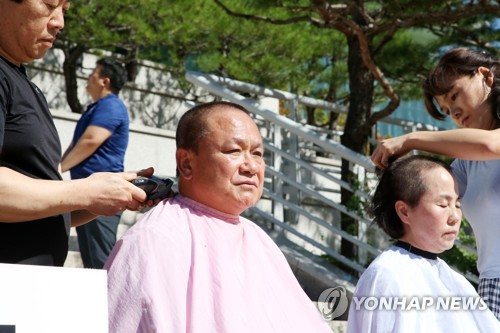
106, 82
402, 209
183, 158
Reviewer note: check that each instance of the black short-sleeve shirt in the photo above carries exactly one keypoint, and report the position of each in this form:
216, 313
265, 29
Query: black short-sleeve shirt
29, 144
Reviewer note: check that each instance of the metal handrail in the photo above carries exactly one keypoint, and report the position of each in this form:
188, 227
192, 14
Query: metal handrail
226, 89
315, 170
321, 222
359, 268
250, 88
305, 189
207, 82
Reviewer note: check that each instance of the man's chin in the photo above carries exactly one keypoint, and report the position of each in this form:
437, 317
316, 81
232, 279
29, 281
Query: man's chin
38, 54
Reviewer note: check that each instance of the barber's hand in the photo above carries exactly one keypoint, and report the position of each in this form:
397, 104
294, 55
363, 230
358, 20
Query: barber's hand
388, 148
110, 193
148, 172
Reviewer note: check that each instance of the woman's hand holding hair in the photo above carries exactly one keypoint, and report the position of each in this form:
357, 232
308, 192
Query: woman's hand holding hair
387, 149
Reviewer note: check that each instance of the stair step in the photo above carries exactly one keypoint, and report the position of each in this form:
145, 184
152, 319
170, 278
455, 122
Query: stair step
73, 260
338, 326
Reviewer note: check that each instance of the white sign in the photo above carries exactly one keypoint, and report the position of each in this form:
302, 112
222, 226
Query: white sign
53, 299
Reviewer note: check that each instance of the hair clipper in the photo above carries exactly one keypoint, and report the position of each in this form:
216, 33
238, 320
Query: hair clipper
155, 188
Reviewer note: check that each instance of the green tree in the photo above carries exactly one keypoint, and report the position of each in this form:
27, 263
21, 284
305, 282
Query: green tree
199, 35
357, 53
384, 59
120, 26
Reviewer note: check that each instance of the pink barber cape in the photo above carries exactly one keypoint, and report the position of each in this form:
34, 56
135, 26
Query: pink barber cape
185, 267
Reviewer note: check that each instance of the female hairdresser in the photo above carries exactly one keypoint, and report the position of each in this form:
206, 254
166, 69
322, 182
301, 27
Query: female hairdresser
465, 85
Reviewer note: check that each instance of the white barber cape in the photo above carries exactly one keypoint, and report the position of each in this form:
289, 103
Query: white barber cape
405, 292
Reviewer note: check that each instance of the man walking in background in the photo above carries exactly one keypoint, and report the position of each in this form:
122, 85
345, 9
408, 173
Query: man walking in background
99, 144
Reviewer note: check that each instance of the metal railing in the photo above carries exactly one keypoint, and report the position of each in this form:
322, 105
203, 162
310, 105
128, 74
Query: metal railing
297, 183
300, 186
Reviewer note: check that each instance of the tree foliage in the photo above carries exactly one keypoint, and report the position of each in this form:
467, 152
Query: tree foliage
353, 52
198, 34
385, 60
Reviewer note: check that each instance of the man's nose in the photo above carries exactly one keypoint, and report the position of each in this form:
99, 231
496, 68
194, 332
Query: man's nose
250, 164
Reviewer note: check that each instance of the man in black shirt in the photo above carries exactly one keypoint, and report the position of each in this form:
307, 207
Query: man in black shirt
37, 207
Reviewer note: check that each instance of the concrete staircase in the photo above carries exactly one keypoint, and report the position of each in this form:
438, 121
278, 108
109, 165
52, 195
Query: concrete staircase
314, 276
73, 259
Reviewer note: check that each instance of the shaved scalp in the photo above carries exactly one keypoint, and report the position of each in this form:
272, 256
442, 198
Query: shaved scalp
193, 125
